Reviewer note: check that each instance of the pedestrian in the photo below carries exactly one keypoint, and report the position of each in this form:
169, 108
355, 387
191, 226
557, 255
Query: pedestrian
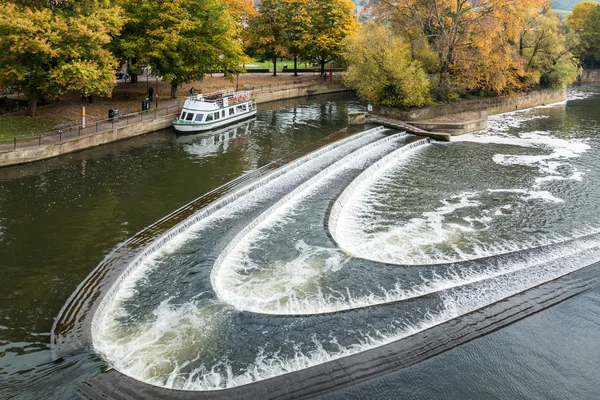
324, 76
150, 93
330, 75
192, 91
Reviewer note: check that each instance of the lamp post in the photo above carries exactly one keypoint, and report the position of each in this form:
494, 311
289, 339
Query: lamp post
156, 104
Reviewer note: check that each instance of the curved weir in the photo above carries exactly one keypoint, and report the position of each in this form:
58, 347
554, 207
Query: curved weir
370, 254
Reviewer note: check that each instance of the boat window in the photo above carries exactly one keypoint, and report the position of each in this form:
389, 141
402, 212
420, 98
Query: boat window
231, 111
183, 113
217, 115
199, 117
209, 117
189, 117
223, 113
239, 109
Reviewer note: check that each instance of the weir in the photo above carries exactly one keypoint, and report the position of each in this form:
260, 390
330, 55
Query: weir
72, 327
387, 161
212, 208
217, 277
335, 375
262, 292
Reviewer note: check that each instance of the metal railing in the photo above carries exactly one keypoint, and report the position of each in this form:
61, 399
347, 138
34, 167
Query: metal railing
71, 132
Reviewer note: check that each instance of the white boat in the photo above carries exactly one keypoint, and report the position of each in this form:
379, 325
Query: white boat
209, 111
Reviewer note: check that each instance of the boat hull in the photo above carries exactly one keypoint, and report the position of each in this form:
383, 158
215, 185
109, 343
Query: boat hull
202, 127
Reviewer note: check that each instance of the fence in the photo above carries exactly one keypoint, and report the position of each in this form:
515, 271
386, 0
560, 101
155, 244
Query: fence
70, 132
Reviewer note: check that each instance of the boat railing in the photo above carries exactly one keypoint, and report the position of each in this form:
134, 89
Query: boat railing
230, 94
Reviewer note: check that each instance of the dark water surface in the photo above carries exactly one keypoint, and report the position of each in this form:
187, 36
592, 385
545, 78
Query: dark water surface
452, 228
60, 217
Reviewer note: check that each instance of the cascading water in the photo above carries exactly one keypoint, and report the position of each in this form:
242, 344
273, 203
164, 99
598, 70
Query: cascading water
282, 274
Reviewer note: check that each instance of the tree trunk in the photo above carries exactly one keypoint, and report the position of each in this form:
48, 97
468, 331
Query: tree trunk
274, 66
173, 90
32, 107
322, 67
295, 65
134, 78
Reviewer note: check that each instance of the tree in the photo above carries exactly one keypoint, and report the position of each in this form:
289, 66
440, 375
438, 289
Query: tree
181, 40
577, 23
49, 51
590, 34
472, 39
296, 19
266, 33
331, 21
546, 52
382, 71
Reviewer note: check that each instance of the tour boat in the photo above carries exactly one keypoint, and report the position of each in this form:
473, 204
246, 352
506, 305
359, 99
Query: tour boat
212, 110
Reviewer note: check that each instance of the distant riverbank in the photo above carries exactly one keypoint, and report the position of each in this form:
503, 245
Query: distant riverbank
75, 139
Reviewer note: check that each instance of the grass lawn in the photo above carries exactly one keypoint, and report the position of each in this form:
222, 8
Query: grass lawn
268, 64
21, 126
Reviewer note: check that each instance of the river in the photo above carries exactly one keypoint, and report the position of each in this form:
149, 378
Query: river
531, 182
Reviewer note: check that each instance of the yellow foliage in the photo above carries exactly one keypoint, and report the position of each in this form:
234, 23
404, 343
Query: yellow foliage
382, 71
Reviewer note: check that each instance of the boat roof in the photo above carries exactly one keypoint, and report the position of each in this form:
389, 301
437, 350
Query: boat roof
216, 100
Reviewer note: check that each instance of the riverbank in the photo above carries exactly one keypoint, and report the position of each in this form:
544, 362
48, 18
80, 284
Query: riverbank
77, 138
443, 121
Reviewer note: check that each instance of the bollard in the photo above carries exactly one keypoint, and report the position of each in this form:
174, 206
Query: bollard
15, 139
60, 134
40, 140
96, 126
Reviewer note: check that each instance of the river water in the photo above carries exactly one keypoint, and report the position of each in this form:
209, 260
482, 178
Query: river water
284, 279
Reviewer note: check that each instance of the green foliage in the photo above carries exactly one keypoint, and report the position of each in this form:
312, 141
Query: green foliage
545, 48
47, 52
331, 21
590, 34
382, 71
311, 30
183, 41
266, 32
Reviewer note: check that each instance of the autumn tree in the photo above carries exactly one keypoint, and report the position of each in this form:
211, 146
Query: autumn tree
331, 21
47, 51
381, 69
546, 52
266, 33
473, 40
294, 14
182, 41
577, 23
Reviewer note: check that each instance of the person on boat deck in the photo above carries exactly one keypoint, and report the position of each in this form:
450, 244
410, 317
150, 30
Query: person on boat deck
192, 91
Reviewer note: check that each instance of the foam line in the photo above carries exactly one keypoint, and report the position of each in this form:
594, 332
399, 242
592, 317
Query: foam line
225, 200
220, 274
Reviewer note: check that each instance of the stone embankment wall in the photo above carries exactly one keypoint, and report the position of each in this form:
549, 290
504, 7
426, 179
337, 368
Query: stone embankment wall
495, 105
590, 75
35, 153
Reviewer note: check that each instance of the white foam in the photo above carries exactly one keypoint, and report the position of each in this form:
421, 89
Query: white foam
286, 287
177, 336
